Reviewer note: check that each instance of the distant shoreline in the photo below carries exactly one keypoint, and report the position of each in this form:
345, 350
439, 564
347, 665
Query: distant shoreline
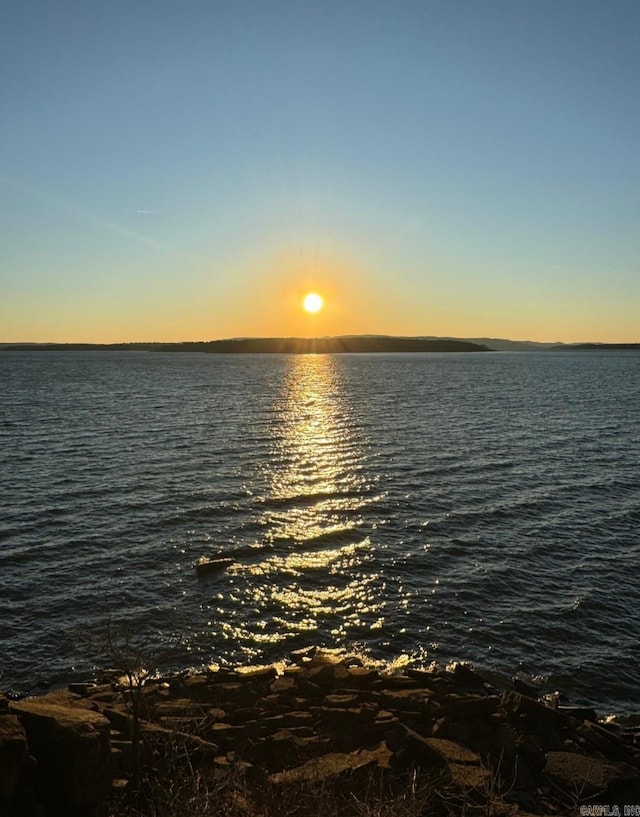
360, 344
333, 345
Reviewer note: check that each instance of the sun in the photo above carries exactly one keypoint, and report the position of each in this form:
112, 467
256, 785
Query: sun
312, 302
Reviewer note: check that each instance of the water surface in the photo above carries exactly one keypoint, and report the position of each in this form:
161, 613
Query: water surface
479, 507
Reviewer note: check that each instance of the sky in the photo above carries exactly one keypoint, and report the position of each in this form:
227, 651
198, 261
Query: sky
189, 170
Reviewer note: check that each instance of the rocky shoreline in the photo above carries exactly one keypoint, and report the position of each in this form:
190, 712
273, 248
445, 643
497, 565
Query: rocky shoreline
487, 744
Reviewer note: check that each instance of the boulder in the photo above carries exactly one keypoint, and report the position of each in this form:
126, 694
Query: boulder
72, 750
13, 754
587, 776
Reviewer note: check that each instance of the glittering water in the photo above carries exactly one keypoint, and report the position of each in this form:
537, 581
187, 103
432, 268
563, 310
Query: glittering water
480, 507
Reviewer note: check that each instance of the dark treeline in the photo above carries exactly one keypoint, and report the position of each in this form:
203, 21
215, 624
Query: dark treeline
270, 345
602, 346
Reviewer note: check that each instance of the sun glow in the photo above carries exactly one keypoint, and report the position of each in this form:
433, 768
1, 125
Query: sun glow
312, 302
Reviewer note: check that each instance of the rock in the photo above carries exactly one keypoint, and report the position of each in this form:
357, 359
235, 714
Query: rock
469, 707
283, 685
119, 719
197, 748
102, 693
412, 750
581, 713
537, 715
13, 754
328, 674
183, 707
233, 693
288, 748
524, 688
604, 740
388, 680
465, 675
71, 746
259, 675
473, 783
343, 718
452, 752
360, 677
287, 720
331, 766
342, 701
406, 700
587, 776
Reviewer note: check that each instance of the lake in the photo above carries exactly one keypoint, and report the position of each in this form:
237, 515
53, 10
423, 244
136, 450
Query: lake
413, 507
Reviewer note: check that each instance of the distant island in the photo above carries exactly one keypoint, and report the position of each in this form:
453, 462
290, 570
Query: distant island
332, 345
360, 344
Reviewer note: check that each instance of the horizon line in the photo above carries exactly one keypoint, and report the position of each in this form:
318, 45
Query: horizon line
312, 338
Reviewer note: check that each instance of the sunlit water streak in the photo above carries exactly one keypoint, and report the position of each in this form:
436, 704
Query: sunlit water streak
470, 507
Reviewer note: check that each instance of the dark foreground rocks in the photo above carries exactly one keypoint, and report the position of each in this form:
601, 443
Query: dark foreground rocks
483, 744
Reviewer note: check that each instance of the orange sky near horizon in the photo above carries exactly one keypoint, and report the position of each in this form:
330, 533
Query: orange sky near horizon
456, 170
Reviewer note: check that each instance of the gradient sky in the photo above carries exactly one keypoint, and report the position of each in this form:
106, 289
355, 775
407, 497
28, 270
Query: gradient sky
188, 170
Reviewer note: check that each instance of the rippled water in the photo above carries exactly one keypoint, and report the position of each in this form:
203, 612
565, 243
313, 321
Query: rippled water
479, 507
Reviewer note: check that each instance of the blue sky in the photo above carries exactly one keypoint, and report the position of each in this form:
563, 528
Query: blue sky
178, 171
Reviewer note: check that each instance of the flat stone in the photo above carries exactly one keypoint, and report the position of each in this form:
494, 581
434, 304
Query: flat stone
387, 680
225, 731
287, 719
537, 713
344, 718
587, 776
288, 748
258, 674
473, 781
221, 675
283, 684
406, 700
197, 747
453, 752
603, 739
179, 706
82, 688
330, 766
469, 707
40, 710
341, 700
328, 674
362, 677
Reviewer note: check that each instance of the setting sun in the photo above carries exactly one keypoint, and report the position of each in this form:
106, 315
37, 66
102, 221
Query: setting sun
312, 302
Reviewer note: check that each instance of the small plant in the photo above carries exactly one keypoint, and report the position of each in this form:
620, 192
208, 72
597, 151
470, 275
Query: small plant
127, 657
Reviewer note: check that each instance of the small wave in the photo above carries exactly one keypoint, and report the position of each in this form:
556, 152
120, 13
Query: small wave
339, 536
298, 500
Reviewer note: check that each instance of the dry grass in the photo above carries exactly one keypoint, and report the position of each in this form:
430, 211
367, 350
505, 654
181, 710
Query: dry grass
179, 790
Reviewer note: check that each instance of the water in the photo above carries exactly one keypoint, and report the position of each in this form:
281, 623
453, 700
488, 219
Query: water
479, 507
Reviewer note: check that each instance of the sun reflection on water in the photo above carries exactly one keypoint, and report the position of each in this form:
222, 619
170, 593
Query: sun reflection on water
315, 459
318, 575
